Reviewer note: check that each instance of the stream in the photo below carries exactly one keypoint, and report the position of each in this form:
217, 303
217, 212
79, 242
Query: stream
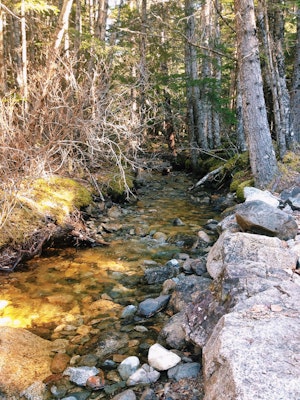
78, 294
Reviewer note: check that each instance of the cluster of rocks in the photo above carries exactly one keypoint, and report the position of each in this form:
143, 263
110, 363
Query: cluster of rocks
236, 309
249, 328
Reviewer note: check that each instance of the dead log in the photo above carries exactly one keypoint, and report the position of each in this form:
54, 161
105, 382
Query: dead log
207, 177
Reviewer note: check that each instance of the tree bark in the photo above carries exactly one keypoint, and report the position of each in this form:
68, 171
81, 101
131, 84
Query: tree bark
295, 93
2, 56
261, 152
196, 133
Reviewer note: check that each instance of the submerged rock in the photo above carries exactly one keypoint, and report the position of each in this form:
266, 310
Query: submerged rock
149, 307
80, 375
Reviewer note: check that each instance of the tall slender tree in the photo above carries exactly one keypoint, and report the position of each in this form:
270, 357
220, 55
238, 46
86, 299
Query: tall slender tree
261, 151
295, 92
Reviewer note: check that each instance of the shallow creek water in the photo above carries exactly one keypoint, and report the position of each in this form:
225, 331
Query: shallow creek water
79, 294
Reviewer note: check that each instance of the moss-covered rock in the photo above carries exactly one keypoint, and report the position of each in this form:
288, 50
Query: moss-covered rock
54, 198
240, 189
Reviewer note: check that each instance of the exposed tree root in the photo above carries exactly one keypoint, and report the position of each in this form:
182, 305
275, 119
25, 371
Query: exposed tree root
74, 233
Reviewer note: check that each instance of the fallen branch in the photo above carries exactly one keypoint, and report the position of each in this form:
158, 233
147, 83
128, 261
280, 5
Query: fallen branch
207, 177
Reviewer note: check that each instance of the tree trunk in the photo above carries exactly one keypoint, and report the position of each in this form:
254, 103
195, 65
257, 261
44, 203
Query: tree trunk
195, 129
273, 47
2, 55
24, 86
295, 93
261, 152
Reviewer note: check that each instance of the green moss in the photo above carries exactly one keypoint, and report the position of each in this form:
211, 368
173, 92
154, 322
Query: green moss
115, 185
238, 163
292, 161
54, 197
240, 189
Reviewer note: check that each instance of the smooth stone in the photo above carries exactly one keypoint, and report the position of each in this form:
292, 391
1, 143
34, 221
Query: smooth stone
128, 311
252, 193
80, 375
128, 367
143, 376
162, 359
149, 307
59, 363
127, 395
183, 371
77, 396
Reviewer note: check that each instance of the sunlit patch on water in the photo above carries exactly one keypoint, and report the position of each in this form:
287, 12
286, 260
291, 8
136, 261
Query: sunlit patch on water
100, 281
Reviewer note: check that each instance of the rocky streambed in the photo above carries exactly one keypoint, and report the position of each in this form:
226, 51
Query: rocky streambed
90, 309
193, 309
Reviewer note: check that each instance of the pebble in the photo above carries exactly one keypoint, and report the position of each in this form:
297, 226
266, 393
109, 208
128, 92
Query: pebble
128, 367
77, 396
149, 307
59, 363
182, 371
143, 376
128, 311
161, 358
96, 382
127, 395
80, 375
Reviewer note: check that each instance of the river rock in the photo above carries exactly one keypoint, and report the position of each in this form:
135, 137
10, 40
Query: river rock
36, 391
160, 274
143, 376
24, 360
252, 193
236, 248
254, 350
126, 395
128, 311
259, 217
292, 197
111, 345
173, 333
80, 375
77, 396
186, 290
183, 371
162, 359
128, 367
59, 363
149, 307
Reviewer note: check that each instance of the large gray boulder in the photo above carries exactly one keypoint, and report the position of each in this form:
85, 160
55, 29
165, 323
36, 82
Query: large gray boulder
239, 247
252, 193
254, 351
259, 217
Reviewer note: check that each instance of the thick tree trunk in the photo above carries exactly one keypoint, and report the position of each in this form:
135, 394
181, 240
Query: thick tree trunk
295, 94
261, 152
273, 48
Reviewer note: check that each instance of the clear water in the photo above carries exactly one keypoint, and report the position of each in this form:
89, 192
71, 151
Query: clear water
87, 285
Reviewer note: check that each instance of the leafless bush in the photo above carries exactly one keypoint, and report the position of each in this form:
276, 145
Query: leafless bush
84, 123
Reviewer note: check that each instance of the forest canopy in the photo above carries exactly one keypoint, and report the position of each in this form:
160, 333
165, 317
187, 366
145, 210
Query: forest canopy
90, 85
